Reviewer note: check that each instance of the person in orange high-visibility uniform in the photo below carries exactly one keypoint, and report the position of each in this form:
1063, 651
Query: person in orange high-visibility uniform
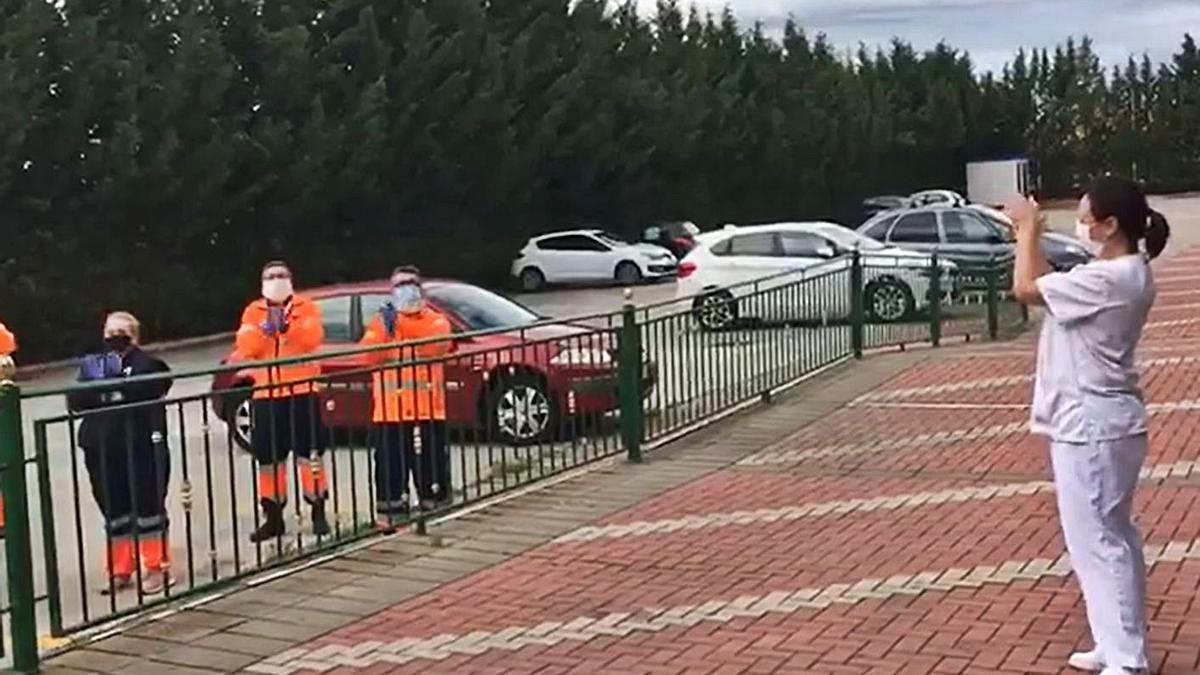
8, 341
285, 413
8, 345
408, 399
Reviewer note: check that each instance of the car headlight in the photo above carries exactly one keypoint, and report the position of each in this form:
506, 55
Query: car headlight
582, 357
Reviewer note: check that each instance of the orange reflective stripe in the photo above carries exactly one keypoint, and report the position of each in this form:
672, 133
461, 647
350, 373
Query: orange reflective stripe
273, 483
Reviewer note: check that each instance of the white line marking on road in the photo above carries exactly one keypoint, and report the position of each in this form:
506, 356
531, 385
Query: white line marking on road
657, 619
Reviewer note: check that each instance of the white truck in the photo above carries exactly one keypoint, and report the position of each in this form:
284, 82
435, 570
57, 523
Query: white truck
992, 183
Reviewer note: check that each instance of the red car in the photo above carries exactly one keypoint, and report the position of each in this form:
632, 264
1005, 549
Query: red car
520, 383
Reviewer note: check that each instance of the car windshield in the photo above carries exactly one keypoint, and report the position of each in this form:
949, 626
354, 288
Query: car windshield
480, 309
849, 240
611, 239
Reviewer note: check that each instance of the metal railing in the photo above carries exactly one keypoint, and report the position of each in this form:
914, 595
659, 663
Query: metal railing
176, 476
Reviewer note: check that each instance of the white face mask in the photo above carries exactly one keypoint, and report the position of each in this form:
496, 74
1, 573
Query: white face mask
1084, 234
407, 298
277, 290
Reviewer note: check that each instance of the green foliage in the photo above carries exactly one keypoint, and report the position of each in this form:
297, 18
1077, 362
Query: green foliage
154, 153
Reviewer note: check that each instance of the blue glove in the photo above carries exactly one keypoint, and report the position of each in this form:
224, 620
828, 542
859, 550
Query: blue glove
113, 366
279, 318
91, 368
388, 314
100, 367
276, 323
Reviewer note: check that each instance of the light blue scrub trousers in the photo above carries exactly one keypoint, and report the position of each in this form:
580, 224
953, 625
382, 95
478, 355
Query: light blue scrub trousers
1094, 484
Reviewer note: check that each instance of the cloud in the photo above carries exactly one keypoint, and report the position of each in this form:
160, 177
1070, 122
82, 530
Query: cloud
990, 30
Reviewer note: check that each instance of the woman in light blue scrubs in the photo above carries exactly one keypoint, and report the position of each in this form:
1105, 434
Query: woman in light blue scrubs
1088, 403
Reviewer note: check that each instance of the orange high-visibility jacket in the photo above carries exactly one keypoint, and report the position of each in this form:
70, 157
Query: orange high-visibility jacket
8, 342
409, 393
304, 336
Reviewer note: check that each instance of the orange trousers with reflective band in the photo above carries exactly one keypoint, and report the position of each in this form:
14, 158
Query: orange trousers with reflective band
124, 554
273, 481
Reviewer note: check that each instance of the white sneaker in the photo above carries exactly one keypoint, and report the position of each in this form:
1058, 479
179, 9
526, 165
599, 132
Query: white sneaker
1118, 670
155, 582
1092, 662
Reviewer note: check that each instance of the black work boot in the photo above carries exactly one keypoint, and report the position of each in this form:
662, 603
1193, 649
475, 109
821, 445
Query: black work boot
272, 525
320, 524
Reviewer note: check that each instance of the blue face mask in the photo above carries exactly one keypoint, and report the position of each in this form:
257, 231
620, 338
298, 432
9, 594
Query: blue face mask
407, 298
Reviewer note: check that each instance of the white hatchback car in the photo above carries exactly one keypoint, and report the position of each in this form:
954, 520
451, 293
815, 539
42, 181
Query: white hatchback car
589, 256
731, 273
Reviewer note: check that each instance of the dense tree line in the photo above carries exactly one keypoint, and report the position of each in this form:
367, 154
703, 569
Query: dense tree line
154, 152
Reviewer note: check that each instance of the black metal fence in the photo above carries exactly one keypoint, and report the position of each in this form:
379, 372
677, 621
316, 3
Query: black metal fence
118, 502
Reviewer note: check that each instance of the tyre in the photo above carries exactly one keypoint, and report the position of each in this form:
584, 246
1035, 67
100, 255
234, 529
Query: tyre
715, 311
532, 279
237, 417
520, 410
628, 274
889, 301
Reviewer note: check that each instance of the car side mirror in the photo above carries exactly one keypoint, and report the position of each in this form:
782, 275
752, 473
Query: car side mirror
826, 252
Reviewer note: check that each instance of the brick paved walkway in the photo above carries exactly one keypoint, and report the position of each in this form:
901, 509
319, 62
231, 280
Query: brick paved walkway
893, 517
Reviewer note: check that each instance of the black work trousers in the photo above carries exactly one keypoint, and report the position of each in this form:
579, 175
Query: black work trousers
399, 457
129, 483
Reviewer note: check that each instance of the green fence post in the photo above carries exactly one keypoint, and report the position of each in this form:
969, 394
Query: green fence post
629, 380
857, 320
935, 301
993, 300
17, 547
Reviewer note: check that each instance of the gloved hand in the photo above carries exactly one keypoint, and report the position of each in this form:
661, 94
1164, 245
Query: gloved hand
91, 368
113, 366
276, 323
279, 318
388, 314
100, 367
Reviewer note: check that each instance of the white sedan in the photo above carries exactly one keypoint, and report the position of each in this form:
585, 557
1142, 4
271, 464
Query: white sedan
796, 272
589, 256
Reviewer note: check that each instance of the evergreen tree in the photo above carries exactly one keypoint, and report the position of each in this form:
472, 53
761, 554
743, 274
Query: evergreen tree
168, 147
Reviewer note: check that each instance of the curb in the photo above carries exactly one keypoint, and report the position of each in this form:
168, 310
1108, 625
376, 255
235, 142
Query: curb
37, 369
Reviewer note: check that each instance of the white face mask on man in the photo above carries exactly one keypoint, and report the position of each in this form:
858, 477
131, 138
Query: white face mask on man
277, 290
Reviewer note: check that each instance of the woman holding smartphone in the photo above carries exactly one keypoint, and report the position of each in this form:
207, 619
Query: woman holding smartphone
1087, 401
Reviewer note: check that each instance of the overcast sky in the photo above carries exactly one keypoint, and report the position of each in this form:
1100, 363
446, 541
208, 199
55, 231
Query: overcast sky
991, 30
